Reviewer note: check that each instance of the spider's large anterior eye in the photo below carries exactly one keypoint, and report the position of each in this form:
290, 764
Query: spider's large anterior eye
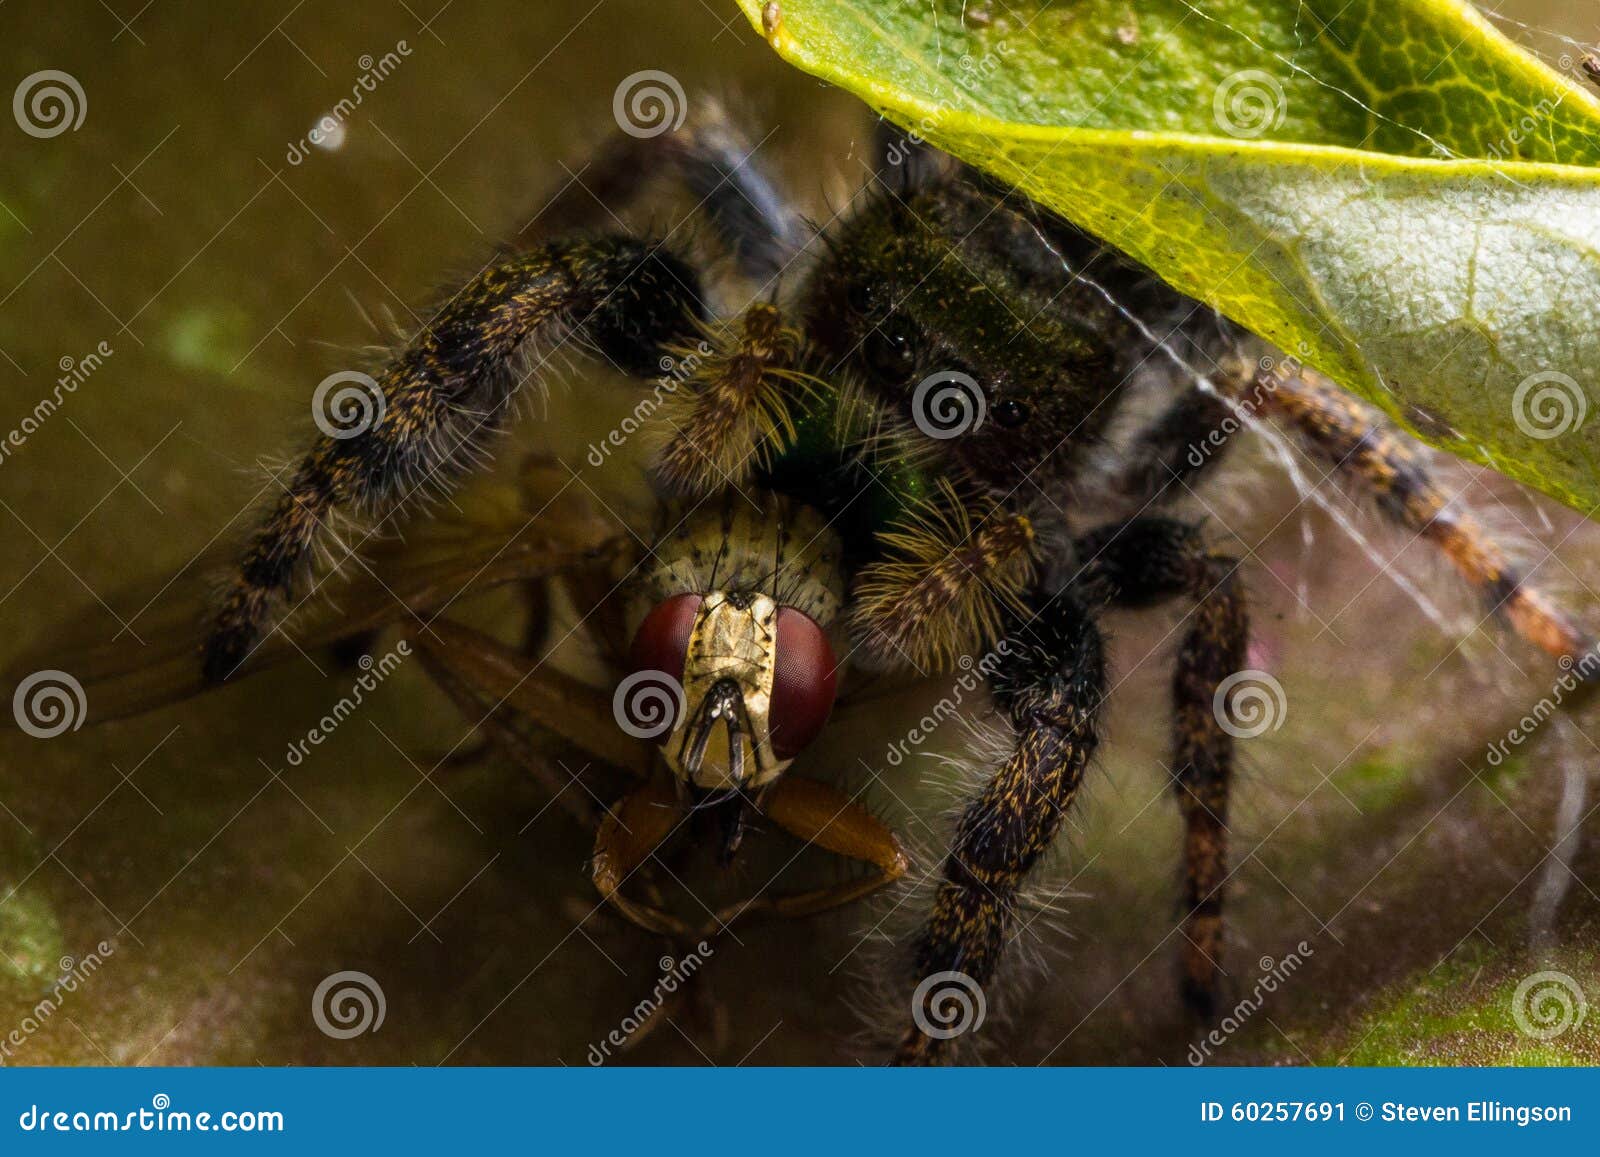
803, 682
662, 640
1010, 414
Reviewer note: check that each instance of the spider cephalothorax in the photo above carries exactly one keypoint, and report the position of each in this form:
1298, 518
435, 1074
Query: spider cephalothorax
823, 506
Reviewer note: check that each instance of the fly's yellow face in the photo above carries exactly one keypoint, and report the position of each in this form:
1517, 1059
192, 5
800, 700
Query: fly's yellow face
733, 668
753, 682
724, 738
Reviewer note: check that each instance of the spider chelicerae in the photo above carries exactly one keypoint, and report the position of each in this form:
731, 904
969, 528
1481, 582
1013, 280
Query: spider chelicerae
911, 447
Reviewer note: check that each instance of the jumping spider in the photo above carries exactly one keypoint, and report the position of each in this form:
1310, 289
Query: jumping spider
908, 448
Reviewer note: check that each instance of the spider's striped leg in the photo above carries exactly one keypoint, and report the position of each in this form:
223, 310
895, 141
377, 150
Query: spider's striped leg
1048, 687
1395, 470
1148, 560
439, 401
1170, 454
714, 161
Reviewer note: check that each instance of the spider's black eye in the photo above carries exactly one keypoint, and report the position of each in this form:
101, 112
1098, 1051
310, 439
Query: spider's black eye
889, 349
861, 298
1010, 414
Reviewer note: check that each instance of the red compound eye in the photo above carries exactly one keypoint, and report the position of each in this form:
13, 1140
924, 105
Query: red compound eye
662, 641
802, 683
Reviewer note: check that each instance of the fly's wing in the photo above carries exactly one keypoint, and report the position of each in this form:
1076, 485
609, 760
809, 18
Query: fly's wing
141, 649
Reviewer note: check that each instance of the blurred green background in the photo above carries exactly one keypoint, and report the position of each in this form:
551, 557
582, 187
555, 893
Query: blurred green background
227, 282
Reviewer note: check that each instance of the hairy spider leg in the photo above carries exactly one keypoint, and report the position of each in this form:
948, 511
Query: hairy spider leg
1048, 686
1394, 469
448, 391
1138, 563
715, 161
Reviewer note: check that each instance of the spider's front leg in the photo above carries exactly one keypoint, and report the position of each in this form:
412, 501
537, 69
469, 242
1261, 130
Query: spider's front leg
1048, 687
446, 393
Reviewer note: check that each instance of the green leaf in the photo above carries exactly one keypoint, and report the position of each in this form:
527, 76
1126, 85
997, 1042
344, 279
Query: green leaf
1387, 189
